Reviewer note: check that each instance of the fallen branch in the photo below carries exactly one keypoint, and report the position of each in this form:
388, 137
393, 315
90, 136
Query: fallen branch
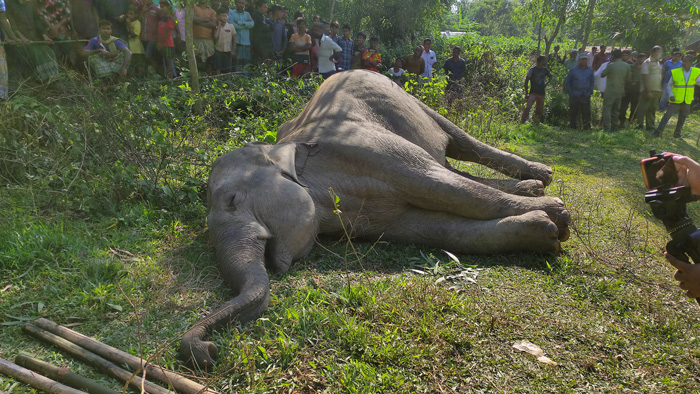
178, 382
63, 375
93, 359
35, 380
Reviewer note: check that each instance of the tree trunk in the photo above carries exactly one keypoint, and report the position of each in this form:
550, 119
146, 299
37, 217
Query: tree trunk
330, 18
560, 23
586, 28
189, 45
539, 29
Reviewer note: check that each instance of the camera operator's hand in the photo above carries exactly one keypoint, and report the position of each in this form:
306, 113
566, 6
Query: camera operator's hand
687, 274
688, 173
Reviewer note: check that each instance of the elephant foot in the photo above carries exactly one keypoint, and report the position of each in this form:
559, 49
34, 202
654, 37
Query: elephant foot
197, 353
528, 188
538, 171
534, 231
554, 207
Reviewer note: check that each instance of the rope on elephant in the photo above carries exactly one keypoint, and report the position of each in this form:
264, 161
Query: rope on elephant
43, 42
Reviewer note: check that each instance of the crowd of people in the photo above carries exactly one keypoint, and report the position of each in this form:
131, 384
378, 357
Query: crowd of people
634, 86
138, 37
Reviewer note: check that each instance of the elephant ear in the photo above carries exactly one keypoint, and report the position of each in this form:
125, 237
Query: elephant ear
303, 151
291, 157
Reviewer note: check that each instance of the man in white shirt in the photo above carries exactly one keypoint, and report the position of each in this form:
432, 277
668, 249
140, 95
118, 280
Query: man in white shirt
327, 50
681, 91
429, 58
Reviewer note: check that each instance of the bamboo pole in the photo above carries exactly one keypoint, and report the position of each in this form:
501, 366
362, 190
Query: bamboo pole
21, 43
178, 382
93, 359
35, 380
63, 375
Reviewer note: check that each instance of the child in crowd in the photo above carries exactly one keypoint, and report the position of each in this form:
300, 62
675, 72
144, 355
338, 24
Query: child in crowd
371, 57
133, 28
358, 50
396, 72
300, 44
224, 43
166, 44
149, 15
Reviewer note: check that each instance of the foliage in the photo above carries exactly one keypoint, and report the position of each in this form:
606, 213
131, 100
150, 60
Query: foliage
143, 141
390, 20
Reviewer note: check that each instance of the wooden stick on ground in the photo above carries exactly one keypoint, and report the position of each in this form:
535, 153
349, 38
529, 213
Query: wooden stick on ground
93, 359
63, 375
34, 379
178, 382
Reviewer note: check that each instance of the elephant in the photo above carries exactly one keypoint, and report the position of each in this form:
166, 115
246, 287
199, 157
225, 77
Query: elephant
384, 154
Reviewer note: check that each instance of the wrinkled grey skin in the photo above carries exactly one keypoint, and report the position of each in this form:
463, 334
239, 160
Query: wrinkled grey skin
384, 154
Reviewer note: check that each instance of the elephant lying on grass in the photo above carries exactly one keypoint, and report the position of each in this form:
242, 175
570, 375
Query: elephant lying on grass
384, 154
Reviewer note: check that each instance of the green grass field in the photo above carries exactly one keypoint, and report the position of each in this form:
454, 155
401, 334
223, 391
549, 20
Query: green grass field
388, 318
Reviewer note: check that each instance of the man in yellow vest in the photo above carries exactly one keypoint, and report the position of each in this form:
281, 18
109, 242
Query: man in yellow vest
681, 89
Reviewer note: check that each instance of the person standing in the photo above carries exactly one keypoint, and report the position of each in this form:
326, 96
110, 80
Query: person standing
358, 50
203, 25
571, 61
429, 58
671, 64
6, 35
599, 58
632, 88
224, 43
414, 64
617, 74
279, 32
579, 85
261, 35
372, 58
538, 78
681, 92
651, 89
455, 67
327, 50
242, 23
345, 43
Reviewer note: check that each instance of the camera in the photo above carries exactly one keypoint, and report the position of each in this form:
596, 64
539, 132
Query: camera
668, 204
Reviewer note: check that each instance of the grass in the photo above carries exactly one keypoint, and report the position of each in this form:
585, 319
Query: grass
400, 320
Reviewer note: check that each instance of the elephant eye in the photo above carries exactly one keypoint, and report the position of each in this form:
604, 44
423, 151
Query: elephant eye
232, 203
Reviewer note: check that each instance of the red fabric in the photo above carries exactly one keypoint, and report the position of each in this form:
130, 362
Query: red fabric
149, 23
165, 32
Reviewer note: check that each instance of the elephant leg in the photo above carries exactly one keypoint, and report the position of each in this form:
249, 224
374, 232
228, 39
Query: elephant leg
528, 187
464, 147
440, 189
532, 231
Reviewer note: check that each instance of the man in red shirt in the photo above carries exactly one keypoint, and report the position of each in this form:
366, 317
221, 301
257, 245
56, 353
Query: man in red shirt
600, 58
150, 16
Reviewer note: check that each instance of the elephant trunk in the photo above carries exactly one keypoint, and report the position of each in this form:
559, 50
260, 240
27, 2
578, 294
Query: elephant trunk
240, 251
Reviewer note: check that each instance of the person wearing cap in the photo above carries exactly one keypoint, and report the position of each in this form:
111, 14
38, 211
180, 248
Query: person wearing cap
681, 92
579, 85
571, 61
371, 57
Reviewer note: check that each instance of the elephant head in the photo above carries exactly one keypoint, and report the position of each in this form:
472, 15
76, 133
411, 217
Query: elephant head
260, 215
